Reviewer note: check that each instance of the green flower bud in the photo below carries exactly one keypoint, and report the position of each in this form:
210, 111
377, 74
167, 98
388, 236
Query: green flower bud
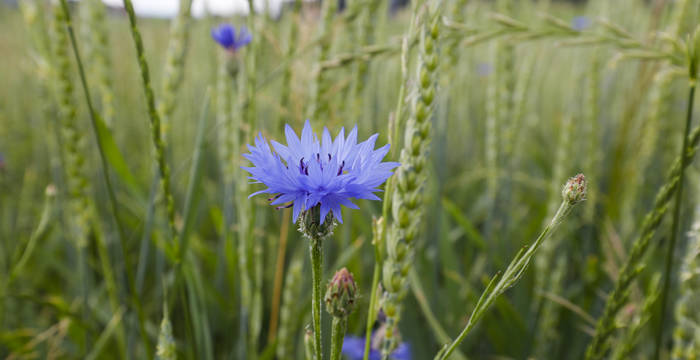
310, 223
165, 350
575, 189
341, 294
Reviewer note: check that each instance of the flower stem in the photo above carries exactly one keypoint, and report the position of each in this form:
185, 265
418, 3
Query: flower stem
316, 296
371, 314
676, 220
514, 271
337, 334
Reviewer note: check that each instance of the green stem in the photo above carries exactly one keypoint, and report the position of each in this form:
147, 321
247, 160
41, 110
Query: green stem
371, 313
316, 296
108, 182
512, 274
676, 220
337, 334
84, 292
308, 346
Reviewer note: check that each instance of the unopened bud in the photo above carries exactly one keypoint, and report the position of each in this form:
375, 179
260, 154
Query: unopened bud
50, 190
575, 189
165, 350
341, 294
310, 224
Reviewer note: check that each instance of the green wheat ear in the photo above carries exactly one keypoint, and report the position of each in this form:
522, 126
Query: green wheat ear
82, 209
409, 180
156, 130
318, 105
631, 338
73, 149
290, 299
165, 349
174, 65
97, 54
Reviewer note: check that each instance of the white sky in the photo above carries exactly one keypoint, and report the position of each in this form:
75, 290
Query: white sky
168, 8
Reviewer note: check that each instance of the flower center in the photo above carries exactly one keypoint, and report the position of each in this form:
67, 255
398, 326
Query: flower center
304, 166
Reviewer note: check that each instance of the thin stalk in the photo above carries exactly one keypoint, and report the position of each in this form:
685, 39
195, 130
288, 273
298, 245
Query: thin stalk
379, 237
105, 173
337, 333
84, 293
316, 296
372, 313
676, 220
514, 271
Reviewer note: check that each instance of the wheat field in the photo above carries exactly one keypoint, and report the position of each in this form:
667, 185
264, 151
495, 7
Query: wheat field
539, 198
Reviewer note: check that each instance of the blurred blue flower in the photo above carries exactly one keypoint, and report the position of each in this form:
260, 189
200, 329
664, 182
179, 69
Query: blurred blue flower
225, 35
306, 172
580, 23
2, 161
354, 349
484, 69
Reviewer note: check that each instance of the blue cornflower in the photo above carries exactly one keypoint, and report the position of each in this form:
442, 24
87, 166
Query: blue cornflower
484, 69
354, 349
306, 172
225, 35
580, 23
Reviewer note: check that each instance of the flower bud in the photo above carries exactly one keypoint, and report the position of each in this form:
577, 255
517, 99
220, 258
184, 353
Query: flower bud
310, 224
50, 190
341, 294
165, 350
575, 189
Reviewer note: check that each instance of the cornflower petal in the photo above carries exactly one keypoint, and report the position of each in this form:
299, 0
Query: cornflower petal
225, 35
329, 173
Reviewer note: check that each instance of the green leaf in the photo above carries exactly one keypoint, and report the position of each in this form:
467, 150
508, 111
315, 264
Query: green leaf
472, 233
113, 155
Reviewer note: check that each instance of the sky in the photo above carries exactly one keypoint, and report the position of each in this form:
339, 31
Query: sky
168, 8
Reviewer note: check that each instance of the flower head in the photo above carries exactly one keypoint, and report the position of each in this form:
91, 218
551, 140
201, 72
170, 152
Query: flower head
575, 189
580, 23
307, 172
484, 69
341, 294
225, 35
354, 349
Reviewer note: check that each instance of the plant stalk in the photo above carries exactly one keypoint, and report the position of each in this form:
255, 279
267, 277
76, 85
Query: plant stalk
337, 333
371, 313
676, 221
499, 284
316, 253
